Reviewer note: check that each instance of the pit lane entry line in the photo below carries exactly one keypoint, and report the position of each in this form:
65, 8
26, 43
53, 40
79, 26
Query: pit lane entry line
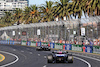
10, 62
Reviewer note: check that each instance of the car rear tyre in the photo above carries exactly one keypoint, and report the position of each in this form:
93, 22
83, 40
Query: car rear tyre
50, 59
37, 48
70, 59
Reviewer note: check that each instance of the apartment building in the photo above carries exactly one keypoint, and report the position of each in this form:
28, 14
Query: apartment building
10, 5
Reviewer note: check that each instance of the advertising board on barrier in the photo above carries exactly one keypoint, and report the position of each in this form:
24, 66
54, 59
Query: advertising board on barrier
23, 43
33, 43
3, 42
88, 48
52, 45
58, 46
8, 42
96, 49
68, 46
11, 42
44, 43
38, 43
17, 42
76, 47
28, 43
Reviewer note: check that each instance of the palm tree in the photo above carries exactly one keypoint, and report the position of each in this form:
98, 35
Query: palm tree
27, 17
46, 11
18, 15
79, 7
7, 19
65, 8
2, 24
93, 7
35, 15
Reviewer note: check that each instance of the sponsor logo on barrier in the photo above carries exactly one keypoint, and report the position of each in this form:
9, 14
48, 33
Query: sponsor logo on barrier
23, 43
68, 46
39, 43
33, 44
44, 44
58, 46
17, 42
96, 50
28, 43
52, 45
88, 49
76, 48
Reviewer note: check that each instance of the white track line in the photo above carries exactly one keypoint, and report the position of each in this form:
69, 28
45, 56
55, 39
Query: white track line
87, 57
89, 65
10, 62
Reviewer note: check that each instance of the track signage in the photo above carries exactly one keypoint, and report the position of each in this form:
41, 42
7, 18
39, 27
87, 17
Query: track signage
76, 47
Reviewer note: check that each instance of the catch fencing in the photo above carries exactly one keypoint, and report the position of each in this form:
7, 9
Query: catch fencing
68, 31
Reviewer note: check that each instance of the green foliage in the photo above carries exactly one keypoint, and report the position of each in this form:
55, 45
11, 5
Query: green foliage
48, 11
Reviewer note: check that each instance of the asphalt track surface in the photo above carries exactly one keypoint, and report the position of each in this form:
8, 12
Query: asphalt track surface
29, 57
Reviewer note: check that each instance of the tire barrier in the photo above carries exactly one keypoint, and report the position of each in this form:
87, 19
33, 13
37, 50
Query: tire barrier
73, 47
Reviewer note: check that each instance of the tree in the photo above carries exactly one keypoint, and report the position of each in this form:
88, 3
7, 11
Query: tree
18, 15
61, 9
7, 19
46, 11
93, 7
27, 17
35, 15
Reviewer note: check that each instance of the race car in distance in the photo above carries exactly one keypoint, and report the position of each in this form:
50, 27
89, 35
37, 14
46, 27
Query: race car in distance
43, 47
60, 56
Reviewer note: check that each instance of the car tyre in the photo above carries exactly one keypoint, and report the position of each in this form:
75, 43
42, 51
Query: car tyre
50, 58
70, 59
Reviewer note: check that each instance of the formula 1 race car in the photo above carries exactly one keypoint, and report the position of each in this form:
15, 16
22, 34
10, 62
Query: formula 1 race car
43, 47
59, 56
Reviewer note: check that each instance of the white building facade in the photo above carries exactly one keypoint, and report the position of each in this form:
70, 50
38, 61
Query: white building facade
10, 5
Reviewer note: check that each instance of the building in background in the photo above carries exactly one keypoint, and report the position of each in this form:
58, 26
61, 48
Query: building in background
11, 5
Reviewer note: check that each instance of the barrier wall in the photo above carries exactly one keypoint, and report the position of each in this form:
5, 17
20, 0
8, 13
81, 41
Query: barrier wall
96, 49
86, 48
33, 43
10, 42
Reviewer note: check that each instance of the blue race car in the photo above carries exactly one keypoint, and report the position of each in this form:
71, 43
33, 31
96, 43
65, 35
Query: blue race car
60, 56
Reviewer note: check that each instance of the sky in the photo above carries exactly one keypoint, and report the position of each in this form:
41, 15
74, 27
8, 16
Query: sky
38, 2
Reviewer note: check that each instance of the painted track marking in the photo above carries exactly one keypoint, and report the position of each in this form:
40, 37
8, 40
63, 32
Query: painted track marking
87, 57
3, 57
10, 62
89, 65
44, 66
